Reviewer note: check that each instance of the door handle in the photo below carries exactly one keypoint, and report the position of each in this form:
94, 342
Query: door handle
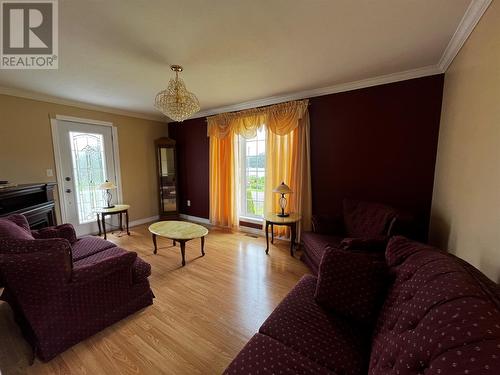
68, 190
67, 178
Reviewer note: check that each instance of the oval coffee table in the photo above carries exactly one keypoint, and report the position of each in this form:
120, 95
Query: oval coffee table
179, 231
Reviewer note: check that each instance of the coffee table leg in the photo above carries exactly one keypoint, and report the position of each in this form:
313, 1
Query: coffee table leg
267, 237
183, 252
202, 246
272, 233
154, 242
126, 222
173, 242
121, 222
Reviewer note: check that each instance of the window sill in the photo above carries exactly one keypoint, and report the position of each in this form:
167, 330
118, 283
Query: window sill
253, 220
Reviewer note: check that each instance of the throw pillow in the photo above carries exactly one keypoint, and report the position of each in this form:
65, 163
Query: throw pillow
12, 230
351, 284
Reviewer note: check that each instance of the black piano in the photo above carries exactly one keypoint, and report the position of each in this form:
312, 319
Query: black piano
35, 201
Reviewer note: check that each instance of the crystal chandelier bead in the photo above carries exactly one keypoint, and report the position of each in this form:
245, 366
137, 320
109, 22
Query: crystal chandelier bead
176, 101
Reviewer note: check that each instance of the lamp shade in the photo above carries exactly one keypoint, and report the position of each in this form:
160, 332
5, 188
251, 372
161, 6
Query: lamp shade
107, 185
282, 189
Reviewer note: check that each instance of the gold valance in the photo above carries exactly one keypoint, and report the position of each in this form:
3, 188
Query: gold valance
280, 118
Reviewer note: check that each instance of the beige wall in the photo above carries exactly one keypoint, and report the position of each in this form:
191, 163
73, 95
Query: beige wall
26, 148
466, 201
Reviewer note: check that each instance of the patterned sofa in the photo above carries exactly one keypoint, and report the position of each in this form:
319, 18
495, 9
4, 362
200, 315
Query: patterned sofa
439, 315
362, 225
63, 289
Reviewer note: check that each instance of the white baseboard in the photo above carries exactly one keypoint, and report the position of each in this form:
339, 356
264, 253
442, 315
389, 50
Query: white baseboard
144, 220
196, 219
250, 230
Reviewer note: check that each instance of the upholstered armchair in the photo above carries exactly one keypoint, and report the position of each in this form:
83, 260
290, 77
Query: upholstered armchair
59, 301
362, 226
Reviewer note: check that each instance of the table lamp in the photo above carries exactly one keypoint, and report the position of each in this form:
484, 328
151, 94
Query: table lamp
108, 186
283, 189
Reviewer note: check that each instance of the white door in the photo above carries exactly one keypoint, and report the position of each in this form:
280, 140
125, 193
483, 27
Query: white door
86, 161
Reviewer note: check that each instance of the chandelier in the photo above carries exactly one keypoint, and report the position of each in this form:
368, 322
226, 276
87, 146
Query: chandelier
176, 101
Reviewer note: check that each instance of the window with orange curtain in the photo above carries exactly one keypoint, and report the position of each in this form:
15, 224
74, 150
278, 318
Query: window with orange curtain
238, 184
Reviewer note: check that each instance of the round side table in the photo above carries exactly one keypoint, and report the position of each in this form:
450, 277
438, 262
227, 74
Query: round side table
118, 209
291, 221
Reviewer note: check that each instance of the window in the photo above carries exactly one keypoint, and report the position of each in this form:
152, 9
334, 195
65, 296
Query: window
89, 171
253, 174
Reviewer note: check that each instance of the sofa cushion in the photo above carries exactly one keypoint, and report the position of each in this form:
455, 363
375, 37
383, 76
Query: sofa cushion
351, 284
89, 245
436, 318
99, 256
264, 355
315, 245
327, 339
366, 219
65, 231
377, 244
15, 227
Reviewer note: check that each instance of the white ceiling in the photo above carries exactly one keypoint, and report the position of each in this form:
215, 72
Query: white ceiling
116, 53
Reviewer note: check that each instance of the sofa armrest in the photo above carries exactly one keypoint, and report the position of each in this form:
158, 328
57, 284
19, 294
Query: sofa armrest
327, 224
35, 268
65, 231
88, 273
364, 244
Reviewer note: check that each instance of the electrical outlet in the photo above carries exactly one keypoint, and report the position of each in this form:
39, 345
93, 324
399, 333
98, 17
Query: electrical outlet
50, 173
189, 203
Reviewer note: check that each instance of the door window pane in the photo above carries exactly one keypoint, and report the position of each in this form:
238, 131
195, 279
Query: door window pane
89, 171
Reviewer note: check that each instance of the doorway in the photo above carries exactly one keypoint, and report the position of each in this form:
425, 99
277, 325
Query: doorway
86, 153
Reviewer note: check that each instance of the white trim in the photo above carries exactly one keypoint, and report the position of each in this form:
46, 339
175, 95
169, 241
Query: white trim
82, 120
250, 230
26, 94
116, 156
54, 126
252, 220
58, 163
131, 224
469, 21
194, 218
143, 221
369, 82
260, 233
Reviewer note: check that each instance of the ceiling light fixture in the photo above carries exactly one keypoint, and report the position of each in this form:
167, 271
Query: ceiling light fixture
176, 101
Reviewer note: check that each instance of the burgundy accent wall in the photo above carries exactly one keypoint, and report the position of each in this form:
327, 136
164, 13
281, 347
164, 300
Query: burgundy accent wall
192, 164
377, 143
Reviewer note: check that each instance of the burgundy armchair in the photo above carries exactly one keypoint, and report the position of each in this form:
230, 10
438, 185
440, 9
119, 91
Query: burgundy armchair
63, 289
362, 226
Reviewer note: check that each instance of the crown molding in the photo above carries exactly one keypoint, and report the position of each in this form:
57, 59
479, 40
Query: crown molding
369, 82
472, 15
73, 103
469, 21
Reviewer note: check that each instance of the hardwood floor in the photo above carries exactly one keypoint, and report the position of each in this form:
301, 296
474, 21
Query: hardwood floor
203, 314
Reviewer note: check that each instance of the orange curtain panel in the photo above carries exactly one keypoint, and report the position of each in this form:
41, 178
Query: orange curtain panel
287, 159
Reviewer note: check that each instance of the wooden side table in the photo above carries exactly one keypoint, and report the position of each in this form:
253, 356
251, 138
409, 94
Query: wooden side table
291, 221
118, 209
